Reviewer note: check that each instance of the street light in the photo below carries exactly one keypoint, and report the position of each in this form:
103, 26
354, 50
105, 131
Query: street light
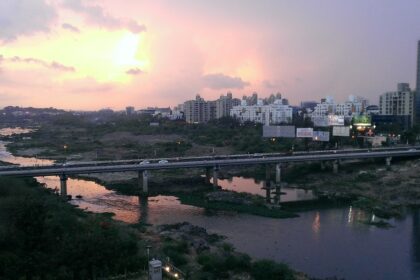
148, 252
65, 152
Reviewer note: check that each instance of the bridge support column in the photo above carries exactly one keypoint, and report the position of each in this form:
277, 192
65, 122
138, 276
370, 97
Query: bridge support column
208, 175
335, 166
63, 185
388, 161
215, 176
267, 172
268, 192
277, 194
143, 181
278, 173
322, 165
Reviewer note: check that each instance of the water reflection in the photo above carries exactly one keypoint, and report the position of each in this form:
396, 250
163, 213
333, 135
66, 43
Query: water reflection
316, 225
143, 203
9, 131
268, 189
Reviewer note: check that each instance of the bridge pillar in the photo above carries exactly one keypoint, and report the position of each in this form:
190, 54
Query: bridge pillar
335, 166
215, 176
208, 175
278, 173
268, 192
143, 181
388, 161
63, 185
277, 194
322, 165
267, 172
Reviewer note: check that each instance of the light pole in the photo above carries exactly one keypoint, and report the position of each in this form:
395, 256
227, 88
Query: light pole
65, 152
148, 246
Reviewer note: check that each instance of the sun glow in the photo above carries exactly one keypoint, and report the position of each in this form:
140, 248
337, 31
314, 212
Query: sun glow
97, 54
126, 49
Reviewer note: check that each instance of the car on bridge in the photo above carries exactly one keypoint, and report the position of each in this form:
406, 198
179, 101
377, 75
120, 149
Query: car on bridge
144, 162
163, 161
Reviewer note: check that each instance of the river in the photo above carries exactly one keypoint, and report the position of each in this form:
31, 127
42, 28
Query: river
322, 243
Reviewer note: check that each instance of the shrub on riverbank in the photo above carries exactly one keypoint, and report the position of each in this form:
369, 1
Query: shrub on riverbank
42, 237
219, 266
199, 200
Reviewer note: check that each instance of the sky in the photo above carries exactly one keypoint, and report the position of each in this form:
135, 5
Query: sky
93, 54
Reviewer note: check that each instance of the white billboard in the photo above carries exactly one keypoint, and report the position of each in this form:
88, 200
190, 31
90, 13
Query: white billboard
341, 131
306, 132
320, 121
323, 136
287, 131
335, 120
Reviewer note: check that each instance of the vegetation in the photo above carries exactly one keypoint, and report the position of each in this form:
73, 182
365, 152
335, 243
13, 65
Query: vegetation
221, 265
84, 134
199, 200
44, 238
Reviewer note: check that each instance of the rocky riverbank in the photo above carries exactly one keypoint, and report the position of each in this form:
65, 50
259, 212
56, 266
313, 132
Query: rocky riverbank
386, 191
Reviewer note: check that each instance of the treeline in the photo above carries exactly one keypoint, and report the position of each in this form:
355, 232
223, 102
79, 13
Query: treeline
43, 238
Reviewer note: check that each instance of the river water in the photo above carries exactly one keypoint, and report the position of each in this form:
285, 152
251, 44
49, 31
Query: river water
328, 242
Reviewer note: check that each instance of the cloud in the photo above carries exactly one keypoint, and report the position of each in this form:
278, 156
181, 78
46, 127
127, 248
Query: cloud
24, 17
221, 81
61, 67
51, 65
269, 84
70, 27
95, 14
134, 71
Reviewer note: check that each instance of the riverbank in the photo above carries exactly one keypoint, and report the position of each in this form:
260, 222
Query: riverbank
58, 240
355, 181
282, 239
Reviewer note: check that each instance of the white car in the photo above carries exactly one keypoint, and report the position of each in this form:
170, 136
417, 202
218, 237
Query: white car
144, 162
163, 161
412, 150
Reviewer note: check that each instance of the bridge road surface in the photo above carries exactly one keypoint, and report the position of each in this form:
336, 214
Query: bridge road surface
253, 160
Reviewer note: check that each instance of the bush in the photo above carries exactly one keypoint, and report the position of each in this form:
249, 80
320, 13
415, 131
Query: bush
269, 270
43, 237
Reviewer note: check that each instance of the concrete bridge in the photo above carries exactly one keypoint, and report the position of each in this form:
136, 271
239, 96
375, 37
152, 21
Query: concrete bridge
211, 164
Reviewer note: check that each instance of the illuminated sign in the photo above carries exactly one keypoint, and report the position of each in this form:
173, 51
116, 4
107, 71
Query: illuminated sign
362, 120
323, 136
335, 120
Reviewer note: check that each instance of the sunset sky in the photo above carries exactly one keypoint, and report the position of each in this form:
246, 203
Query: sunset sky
88, 54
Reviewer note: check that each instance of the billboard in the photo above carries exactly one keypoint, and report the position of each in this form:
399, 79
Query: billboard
323, 136
306, 132
320, 121
361, 120
341, 131
287, 131
335, 120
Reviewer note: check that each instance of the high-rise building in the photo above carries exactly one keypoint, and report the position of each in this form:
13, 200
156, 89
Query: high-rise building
398, 103
129, 110
275, 113
417, 90
197, 111
224, 104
